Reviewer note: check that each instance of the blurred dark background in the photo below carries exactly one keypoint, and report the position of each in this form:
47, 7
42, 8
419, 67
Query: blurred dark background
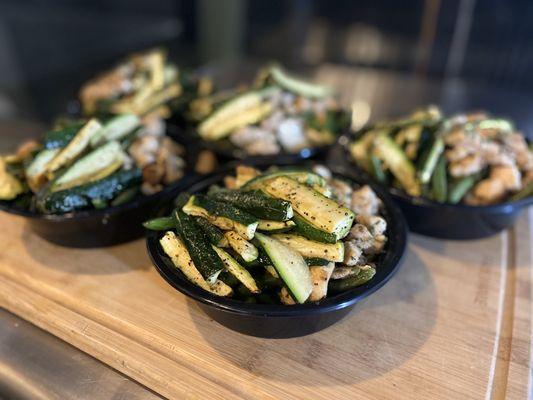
385, 56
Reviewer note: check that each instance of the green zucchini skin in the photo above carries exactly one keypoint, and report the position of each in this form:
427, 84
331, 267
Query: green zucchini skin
315, 261
82, 197
301, 175
197, 243
310, 232
61, 137
257, 203
340, 285
160, 224
215, 235
221, 209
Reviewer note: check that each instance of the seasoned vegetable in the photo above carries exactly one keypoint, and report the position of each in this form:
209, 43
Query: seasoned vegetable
319, 211
237, 270
290, 266
178, 253
223, 215
82, 197
257, 204
94, 166
116, 129
59, 138
310, 248
299, 86
160, 224
10, 187
340, 285
244, 248
197, 243
267, 267
302, 176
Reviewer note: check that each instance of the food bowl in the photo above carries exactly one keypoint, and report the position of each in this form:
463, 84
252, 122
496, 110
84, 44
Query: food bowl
283, 321
110, 226
442, 220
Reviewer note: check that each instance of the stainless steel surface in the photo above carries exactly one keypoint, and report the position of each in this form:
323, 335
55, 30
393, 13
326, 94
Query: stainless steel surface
35, 365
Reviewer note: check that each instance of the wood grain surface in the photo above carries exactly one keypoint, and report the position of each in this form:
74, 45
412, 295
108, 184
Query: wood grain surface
454, 323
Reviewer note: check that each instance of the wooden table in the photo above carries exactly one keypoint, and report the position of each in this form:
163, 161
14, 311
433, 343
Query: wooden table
454, 323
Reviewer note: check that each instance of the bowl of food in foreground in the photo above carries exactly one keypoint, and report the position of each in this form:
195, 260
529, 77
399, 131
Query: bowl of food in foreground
90, 183
279, 116
466, 176
280, 252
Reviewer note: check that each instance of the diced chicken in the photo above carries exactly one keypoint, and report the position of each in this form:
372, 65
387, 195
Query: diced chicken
361, 236
341, 191
144, 150
291, 135
377, 245
245, 173
489, 190
23, 151
509, 176
255, 141
467, 166
344, 272
364, 201
207, 162
323, 171
230, 182
375, 224
320, 276
285, 297
352, 253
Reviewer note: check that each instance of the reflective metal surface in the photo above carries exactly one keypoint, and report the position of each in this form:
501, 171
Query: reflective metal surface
35, 365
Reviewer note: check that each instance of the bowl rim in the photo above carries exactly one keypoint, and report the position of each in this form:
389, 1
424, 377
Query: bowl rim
423, 201
391, 262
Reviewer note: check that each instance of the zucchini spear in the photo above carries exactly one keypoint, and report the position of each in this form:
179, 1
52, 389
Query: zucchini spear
198, 246
176, 250
237, 270
257, 204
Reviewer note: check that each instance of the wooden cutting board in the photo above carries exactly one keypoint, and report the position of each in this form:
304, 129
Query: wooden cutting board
454, 323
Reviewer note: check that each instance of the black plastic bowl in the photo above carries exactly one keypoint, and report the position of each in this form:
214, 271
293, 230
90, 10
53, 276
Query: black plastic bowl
442, 220
281, 321
110, 226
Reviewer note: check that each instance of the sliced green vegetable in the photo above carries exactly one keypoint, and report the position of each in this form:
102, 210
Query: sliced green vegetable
116, 129
300, 175
36, 170
317, 261
160, 224
59, 138
318, 211
290, 266
299, 86
244, 248
257, 204
439, 181
340, 285
275, 226
180, 257
237, 270
311, 248
401, 167
526, 191
126, 196
225, 216
429, 162
197, 243
216, 236
376, 169
309, 231
94, 166
461, 187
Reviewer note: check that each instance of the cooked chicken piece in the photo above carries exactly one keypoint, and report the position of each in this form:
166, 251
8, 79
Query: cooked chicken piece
174, 166
323, 171
364, 201
207, 162
344, 272
147, 188
245, 173
272, 122
517, 146
285, 297
230, 182
320, 276
361, 236
108, 85
467, 166
262, 148
455, 137
10, 186
375, 224
255, 141
341, 191
509, 176
153, 173
352, 253
489, 191
527, 178
144, 150
291, 135
302, 104
377, 246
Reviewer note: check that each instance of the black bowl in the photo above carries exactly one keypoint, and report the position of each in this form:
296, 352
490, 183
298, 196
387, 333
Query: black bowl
442, 220
281, 321
227, 151
110, 226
